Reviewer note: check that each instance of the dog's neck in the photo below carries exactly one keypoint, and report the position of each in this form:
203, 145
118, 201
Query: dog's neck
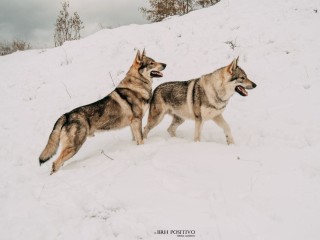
141, 78
221, 93
138, 83
217, 94
134, 74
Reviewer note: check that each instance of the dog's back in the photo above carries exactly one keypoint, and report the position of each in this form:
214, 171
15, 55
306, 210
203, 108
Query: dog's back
174, 97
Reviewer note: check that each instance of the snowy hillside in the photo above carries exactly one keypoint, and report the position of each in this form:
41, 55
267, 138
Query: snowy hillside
267, 186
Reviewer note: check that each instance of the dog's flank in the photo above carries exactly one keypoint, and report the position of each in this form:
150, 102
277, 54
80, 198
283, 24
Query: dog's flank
125, 106
200, 99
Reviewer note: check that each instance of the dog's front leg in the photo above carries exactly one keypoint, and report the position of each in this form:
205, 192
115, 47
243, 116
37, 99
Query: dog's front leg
198, 127
133, 138
219, 120
136, 127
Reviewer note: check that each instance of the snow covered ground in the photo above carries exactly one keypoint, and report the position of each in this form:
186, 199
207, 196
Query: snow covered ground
265, 187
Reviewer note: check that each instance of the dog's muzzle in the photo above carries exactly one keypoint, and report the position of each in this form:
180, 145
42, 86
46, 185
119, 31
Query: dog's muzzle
242, 91
158, 74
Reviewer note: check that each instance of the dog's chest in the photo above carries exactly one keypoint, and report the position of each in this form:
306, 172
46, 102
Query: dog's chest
208, 112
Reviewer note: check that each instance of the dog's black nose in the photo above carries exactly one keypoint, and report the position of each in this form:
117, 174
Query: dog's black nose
164, 65
254, 85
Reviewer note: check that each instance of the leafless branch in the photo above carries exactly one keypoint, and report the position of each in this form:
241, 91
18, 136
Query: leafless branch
65, 87
102, 152
112, 79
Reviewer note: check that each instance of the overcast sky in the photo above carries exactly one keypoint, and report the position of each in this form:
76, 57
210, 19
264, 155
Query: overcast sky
33, 20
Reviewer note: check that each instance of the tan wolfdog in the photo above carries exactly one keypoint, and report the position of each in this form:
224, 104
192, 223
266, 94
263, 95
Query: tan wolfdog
200, 99
125, 106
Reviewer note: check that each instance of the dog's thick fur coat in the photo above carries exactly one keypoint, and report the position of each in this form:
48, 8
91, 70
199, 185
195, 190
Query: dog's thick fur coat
200, 99
125, 106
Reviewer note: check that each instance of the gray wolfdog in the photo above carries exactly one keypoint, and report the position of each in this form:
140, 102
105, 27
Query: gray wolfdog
124, 106
200, 99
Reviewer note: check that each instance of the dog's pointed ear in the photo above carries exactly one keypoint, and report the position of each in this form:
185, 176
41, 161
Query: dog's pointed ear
237, 60
138, 58
143, 52
232, 66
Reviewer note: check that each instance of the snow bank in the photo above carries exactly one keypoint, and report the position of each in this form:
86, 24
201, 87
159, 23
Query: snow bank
267, 186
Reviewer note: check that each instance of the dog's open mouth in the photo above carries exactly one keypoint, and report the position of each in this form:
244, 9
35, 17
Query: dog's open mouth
156, 74
241, 90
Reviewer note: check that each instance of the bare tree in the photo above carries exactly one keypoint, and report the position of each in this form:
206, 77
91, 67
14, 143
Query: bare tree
5, 48
206, 3
76, 26
161, 9
16, 45
20, 45
67, 28
185, 6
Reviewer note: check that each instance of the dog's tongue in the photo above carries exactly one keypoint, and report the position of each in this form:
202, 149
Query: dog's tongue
156, 74
241, 91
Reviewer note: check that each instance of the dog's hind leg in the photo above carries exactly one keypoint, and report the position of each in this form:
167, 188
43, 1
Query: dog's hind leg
219, 120
176, 122
156, 114
72, 139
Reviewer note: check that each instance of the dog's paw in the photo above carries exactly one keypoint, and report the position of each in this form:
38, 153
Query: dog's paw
141, 142
41, 162
229, 139
171, 132
52, 171
54, 168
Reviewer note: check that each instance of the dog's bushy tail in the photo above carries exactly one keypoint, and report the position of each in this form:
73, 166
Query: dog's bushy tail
53, 142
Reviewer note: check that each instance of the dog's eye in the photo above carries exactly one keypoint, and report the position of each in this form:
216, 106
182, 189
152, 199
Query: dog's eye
152, 63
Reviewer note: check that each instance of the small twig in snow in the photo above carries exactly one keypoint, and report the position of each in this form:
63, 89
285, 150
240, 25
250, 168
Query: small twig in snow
112, 79
253, 161
65, 87
102, 152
